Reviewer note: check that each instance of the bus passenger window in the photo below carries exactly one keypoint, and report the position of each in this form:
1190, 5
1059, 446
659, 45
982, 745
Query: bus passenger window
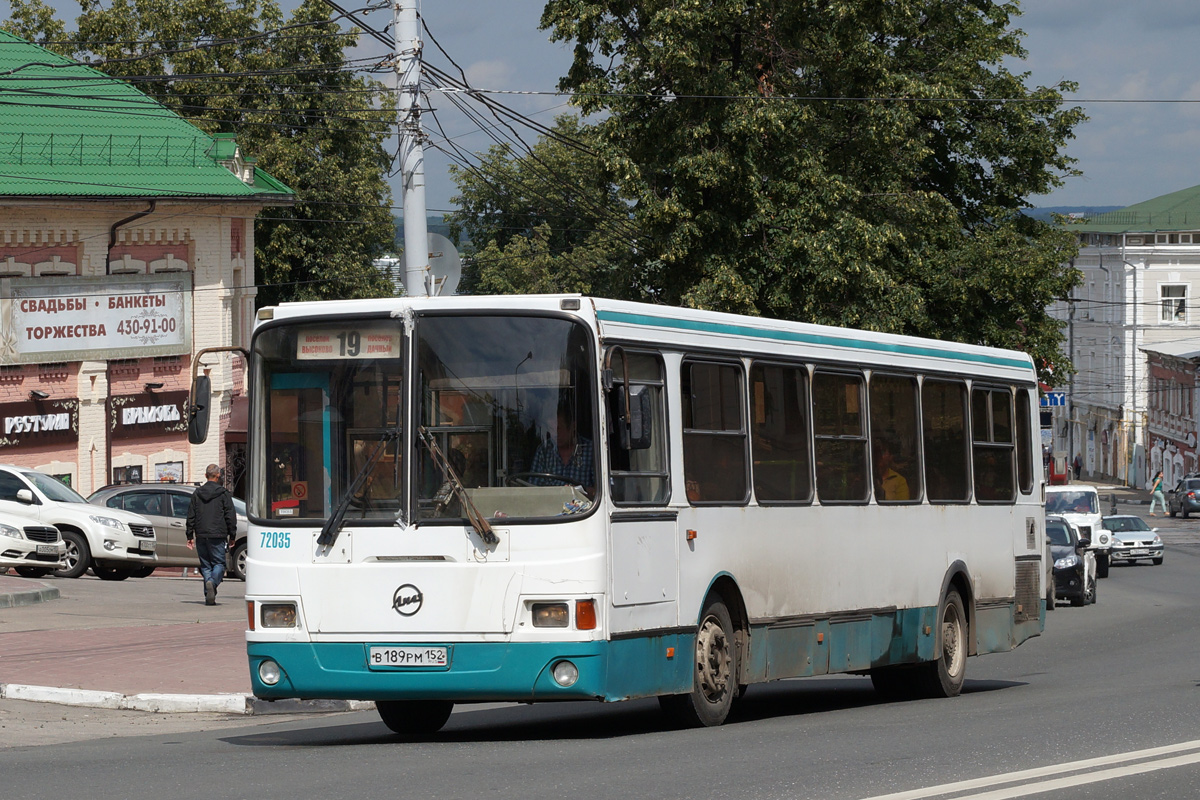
992, 449
894, 452
639, 476
714, 436
780, 433
944, 426
839, 434
1024, 442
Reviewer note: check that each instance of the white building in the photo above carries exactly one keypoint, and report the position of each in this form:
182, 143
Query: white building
1141, 271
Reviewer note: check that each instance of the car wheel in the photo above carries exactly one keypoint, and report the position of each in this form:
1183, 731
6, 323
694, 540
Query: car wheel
1050, 599
237, 561
110, 573
414, 717
33, 572
714, 679
142, 572
1155, 561
1183, 512
1102, 565
1171, 512
1089, 594
78, 556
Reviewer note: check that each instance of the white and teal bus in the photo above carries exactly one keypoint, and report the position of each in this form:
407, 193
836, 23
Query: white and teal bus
545, 498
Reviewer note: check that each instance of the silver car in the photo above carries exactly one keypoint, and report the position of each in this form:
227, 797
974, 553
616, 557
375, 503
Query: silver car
1134, 540
166, 506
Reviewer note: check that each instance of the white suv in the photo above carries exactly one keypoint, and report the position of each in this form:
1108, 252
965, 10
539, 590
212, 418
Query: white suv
32, 549
115, 544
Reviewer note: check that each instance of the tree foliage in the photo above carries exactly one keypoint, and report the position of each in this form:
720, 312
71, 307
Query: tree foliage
296, 106
545, 220
847, 162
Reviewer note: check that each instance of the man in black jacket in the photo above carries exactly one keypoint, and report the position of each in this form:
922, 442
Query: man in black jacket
211, 528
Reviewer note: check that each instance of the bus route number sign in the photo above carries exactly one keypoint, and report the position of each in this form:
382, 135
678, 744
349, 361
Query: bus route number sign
408, 657
315, 344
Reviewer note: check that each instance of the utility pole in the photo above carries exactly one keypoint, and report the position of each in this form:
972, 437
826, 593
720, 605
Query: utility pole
412, 154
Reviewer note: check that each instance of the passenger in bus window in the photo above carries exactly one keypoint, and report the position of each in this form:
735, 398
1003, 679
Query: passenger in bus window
568, 455
889, 484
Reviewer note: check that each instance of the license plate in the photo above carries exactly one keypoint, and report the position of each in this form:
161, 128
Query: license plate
147, 545
47, 549
407, 657
1141, 552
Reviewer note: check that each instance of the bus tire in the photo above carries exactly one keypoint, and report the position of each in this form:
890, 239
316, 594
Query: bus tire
1102, 565
944, 676
714, 679
414, 717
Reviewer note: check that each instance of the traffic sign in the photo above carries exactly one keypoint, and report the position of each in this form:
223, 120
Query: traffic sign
1054, 399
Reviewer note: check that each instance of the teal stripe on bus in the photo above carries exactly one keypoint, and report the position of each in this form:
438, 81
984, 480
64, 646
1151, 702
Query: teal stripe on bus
805, 338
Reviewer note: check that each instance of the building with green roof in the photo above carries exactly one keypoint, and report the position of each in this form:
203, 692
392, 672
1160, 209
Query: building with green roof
126, 246
1140, 270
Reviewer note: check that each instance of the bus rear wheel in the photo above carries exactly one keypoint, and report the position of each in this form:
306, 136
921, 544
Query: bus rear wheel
414, 717
714, 680
944, 676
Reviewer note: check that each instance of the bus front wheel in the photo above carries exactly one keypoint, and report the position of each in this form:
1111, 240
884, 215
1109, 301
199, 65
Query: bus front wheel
714, 678
414, 717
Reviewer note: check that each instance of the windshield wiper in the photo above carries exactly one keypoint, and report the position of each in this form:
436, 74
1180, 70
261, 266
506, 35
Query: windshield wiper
333, 525
454, 485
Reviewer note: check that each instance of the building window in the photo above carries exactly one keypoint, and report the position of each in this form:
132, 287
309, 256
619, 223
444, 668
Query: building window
1174, 303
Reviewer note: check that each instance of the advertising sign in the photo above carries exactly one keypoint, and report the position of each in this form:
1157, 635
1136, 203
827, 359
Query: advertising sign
38, 422
136, 416
114, 316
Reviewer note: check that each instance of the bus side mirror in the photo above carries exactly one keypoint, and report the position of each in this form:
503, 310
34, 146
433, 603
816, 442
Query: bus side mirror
198, 406
633, 423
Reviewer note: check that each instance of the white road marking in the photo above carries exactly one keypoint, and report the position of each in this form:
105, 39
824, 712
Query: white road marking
1058, 769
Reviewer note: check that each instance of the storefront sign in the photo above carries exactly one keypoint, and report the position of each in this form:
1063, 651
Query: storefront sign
115, 316
135, 416
39, 422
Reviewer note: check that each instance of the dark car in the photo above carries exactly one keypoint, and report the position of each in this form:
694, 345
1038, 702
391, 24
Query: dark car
1184, 499
1134, 540
1074, 563
166, 506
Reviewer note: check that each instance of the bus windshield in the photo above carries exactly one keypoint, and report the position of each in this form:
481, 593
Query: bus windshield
333, 404
510, 402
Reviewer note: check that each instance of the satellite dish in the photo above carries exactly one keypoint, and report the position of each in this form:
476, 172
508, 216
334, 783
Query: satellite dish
445, 266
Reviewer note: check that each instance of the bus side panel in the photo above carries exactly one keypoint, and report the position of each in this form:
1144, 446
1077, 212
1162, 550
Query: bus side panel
647, 666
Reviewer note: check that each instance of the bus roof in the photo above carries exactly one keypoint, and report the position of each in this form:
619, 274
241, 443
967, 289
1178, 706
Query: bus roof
620, 320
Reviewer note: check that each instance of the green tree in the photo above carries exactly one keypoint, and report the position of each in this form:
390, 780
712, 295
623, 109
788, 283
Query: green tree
285, 88
545, 220
847, 162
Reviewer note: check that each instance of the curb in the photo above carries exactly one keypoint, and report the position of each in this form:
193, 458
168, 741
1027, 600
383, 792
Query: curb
28, 597
176, 703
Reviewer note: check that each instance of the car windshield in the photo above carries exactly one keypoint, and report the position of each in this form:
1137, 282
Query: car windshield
1058, 533
1119, 524
239, 505
53, 488
1072, 503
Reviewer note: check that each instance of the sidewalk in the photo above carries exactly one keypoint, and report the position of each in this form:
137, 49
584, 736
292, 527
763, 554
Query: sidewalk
112, 645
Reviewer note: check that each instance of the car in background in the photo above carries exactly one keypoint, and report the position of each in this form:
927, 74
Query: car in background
1080, 505
1074, 562
32, 549
1134, 540
1184, 499
166, 506
116, 545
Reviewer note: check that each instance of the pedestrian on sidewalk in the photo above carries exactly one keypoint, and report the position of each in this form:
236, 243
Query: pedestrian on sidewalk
1078, 465
211, 528
1156, 494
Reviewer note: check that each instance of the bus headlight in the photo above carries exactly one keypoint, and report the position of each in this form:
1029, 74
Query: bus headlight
269, 672
551, 615
279, 615
565, 673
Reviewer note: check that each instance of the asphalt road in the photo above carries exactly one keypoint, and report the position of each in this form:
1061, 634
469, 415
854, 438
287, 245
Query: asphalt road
1104, 685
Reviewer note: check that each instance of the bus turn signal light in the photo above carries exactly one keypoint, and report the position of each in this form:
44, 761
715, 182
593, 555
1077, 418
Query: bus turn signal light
250, 613
585, 615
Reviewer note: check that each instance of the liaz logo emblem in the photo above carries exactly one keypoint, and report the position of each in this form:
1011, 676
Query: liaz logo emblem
407, 600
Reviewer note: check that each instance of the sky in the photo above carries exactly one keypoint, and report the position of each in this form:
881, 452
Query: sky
1137, 66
